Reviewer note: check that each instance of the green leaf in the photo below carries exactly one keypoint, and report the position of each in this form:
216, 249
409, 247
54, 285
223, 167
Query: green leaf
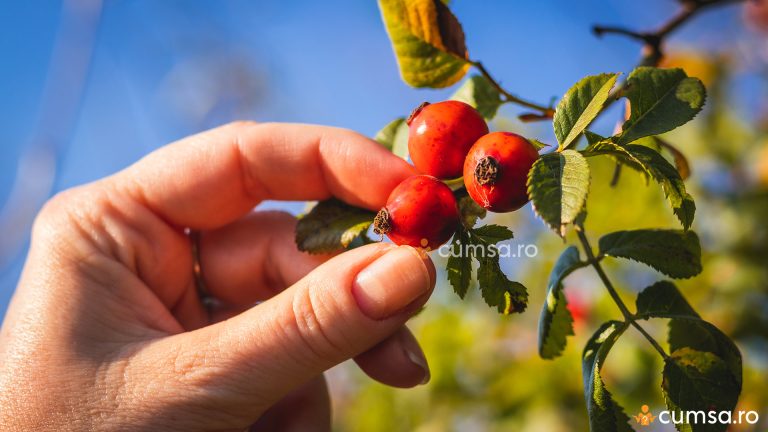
394, 136
668, 176
675, 253
459, 265
492, 234
691, 332
580, 105
686, 329
599, 146
498, 291
481, 94
428, 42
538, 144
663, 299
698, 381
557, 185
556, 322
331, 225
660, 100
469, 210
652, 164
605, 415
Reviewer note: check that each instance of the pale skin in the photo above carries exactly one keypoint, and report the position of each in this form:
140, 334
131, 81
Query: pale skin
107, 332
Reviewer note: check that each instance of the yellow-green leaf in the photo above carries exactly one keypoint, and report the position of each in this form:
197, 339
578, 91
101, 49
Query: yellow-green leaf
428, 42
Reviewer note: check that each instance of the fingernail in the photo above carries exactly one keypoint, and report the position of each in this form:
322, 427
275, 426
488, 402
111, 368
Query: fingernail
392, 282
416, 356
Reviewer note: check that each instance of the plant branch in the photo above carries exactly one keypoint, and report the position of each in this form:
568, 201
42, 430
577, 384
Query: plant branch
653, 40
652, 45
545, 112
628, 317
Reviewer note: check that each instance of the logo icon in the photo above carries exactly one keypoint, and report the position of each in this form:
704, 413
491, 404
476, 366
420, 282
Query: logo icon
424, 249
644, 417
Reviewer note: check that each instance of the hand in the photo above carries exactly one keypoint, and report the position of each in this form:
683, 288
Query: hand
107, 332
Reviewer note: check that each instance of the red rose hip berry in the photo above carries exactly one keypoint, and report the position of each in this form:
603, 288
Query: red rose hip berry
496, 170
421, 212
440, 136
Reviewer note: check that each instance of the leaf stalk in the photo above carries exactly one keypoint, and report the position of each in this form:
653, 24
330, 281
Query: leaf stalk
628, 316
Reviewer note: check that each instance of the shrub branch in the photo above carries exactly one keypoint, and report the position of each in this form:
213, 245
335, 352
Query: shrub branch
628, 317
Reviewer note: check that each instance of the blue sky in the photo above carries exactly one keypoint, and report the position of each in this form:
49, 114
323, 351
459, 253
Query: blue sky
156, 64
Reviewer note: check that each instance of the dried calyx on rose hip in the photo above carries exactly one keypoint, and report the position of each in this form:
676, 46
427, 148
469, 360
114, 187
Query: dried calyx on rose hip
496, 170
440, 136
421, 212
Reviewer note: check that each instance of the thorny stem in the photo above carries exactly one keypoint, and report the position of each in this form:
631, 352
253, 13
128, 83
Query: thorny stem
628, 317
547, 112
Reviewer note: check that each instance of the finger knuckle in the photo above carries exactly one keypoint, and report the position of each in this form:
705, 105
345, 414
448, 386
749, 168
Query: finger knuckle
312, 324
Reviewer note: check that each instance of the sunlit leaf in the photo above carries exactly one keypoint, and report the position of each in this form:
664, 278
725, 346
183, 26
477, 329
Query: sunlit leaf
660, 100
701, 382
580, 105
557, 185
478, 92
428, 41
556, 322
605, 415
394, 136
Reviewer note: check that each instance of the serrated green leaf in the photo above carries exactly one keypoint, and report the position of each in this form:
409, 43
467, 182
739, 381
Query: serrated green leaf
605, 415
668, 176
394, 136
598, 146
691, 332
498, 291
580, 105
660, 100
675, 253
478, 92
331, 225
459, 265
428, 42
686, 328
556, 322
557, 185
651, 163
698, 381
663, 299
492, 234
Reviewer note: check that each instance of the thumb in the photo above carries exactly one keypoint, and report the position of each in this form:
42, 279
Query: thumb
341, 309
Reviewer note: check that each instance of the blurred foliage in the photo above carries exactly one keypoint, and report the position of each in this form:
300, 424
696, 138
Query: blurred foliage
486, 373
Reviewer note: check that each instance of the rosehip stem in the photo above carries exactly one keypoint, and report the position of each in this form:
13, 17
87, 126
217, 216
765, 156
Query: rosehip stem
628, 317
547, 112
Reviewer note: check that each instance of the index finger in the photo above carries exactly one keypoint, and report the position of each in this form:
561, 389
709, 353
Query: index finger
213, 178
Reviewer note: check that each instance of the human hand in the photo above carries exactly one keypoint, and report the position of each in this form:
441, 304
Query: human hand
107, 332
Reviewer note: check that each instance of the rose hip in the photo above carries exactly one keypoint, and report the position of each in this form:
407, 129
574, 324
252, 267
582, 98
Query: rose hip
496, 170
421, 212
440, 136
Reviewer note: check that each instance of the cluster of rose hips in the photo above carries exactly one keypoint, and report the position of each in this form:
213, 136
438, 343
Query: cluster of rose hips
447, 140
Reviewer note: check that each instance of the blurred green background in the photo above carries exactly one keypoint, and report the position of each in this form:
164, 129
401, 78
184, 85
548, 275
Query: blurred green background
89, 87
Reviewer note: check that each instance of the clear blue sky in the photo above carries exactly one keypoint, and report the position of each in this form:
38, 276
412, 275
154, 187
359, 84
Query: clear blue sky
157, 63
